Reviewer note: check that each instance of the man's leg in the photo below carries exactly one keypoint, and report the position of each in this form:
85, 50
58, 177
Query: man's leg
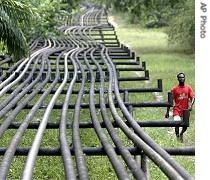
177, 132
177, 118
182, 132
184, 128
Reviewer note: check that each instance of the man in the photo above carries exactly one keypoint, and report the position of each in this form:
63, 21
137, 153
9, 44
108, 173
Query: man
184, 98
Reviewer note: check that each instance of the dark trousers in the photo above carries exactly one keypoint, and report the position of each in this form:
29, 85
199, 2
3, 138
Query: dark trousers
182, 131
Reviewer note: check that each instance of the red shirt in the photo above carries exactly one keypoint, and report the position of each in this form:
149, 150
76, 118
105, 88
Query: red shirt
181, 95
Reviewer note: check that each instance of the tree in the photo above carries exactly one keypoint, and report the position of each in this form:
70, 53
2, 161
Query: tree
177, 16
14, 14
181, 28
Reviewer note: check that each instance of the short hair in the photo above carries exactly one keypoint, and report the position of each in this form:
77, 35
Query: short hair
180, 74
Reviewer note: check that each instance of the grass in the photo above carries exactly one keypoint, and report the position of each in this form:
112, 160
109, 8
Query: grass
163, 62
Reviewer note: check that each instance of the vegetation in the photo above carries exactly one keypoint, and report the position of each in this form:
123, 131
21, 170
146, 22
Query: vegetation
23, 20
182, 27
163, 60
14, 15
176, 15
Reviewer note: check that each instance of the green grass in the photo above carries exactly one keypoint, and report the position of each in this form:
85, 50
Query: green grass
164, 62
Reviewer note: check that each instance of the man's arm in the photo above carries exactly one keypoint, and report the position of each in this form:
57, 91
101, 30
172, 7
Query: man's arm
192, 101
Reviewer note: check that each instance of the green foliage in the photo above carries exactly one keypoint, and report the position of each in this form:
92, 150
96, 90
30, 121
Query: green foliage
25, 19
44, 20
14, 15
163, 62
149, 13
182, 27
48, 16
177, 15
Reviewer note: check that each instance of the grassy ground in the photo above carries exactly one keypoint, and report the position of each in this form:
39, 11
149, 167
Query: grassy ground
163, 62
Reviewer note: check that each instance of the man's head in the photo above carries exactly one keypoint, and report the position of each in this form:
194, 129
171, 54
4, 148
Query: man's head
181, 78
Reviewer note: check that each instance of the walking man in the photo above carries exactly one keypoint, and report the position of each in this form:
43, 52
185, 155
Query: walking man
184, 98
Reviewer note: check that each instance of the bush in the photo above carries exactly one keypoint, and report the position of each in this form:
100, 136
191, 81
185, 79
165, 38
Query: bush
181, 29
